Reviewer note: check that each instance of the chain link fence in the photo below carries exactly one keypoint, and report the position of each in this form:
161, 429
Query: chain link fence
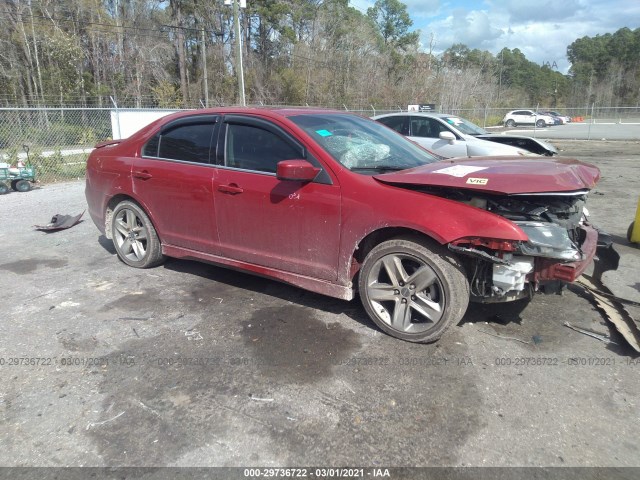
54, 141
57, 141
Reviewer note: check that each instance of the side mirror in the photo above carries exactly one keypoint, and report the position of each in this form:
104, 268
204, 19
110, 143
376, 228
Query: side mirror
448, 136
296, 170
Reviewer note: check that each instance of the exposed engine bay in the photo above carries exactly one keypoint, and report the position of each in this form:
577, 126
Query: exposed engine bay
561, 243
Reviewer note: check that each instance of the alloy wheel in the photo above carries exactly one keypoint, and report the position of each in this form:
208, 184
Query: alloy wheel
405, 293
130, 235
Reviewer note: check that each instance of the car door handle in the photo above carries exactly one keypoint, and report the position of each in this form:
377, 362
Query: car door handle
232, 189
143, 175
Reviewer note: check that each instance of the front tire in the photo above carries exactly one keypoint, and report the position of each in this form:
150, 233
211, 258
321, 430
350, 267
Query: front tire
541, 124
413, 290
134, 236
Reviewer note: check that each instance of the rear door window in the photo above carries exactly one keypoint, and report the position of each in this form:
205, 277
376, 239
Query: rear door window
186, 141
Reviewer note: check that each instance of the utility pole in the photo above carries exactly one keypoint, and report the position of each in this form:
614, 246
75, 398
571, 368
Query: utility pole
204, 69
500, 81
237, 4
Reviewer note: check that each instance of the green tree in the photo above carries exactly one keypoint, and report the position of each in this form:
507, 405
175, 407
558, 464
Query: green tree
607, 67
393, 23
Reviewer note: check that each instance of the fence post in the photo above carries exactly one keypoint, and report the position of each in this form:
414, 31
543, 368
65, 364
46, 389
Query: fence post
591, 120
117, 119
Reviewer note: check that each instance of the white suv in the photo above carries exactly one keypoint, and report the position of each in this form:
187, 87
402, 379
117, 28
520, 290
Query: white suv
527, 117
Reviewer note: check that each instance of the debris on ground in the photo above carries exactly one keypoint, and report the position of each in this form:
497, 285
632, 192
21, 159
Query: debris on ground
504, 337
590, 333
613, 311
259, 399
60, 222
95, 424
611, 306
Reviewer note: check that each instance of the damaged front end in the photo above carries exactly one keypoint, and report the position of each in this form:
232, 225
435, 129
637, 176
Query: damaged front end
561, 245
544, 199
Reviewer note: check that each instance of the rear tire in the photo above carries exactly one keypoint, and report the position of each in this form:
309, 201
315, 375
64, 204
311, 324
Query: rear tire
135, 237
510, 124
413, 290
3, 188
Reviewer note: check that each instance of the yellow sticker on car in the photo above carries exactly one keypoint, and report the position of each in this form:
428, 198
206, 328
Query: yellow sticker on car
477, 181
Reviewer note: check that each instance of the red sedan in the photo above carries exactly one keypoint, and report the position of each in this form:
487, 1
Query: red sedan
339, 204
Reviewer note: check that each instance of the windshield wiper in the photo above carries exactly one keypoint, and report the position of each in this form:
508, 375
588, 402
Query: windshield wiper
381, 168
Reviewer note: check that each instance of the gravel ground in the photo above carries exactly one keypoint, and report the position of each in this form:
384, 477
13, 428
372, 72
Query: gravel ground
192, 365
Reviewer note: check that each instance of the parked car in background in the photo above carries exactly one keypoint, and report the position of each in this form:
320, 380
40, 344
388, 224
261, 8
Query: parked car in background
339, 204
564, 119
446, 135
470, 139
556, 120
527, 117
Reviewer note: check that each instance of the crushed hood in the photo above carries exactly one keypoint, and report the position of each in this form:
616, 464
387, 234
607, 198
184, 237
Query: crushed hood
501, 175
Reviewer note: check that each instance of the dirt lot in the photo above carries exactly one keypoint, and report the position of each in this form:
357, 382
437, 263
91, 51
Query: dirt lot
193, 365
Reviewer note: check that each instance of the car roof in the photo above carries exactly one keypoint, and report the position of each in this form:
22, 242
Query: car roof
262, 111
418, 114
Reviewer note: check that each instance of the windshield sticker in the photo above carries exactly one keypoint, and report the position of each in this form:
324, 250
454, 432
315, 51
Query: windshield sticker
324, 133
459, 170
477, 181
454, 121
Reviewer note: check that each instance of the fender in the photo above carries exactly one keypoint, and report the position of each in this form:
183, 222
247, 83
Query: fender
441, 219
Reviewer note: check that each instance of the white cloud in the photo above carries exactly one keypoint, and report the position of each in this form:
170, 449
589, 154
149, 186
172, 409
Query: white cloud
541, 30
546, 10
472, 28
423, 8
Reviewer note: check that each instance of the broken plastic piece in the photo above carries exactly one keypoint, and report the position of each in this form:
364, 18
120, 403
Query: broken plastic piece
60, 222
614, 312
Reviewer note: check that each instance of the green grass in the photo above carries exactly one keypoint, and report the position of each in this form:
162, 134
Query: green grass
58, 167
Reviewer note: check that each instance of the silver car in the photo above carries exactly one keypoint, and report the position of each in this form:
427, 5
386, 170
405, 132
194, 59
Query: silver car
446, 135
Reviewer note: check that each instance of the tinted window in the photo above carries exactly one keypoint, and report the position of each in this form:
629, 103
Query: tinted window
151, 148
253, 148
398, 123
426, 127
191, 143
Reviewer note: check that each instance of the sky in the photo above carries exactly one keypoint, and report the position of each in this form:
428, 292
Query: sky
541, 29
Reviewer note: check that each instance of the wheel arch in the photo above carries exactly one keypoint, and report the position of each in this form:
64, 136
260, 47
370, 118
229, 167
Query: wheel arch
376, 237
113, 203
